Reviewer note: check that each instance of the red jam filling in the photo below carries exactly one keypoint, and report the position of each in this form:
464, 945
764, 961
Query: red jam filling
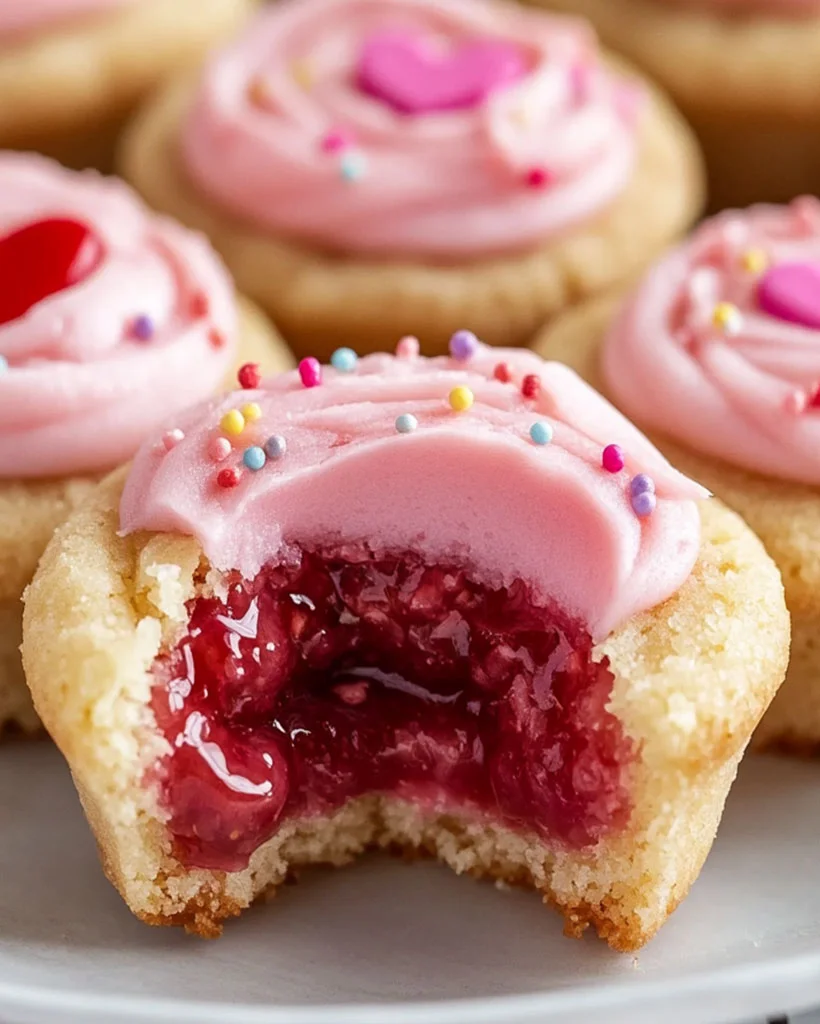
344, 674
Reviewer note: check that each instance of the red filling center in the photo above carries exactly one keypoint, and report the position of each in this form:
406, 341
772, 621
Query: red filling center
347, 674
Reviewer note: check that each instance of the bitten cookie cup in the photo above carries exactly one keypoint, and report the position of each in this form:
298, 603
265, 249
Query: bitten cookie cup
72, 71
346, 634
111, 318
717, 354
745, 73
371, 186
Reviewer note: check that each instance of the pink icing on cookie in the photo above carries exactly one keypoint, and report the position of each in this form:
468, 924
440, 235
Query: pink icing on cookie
515, 134
379, 455
91, 367
19, 16
720, 346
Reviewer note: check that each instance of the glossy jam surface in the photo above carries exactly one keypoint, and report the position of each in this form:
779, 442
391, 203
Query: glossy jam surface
343, 674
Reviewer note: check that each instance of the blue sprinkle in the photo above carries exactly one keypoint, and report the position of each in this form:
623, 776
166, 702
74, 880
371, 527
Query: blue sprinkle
344, 360
276, 446
463, 345
254, 457
643, 503
406, 423
353, 165
640, 483
4, 365
541, 433
142, 328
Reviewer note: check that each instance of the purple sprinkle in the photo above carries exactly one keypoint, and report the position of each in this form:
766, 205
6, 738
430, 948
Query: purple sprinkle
463, 345
142, 328
643, 504
641, 483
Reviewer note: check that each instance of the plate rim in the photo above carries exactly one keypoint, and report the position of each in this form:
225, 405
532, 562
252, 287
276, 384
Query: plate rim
754, 979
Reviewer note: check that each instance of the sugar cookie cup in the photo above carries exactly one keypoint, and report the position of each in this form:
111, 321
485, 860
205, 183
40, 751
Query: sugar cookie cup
351, 205
746, 75
71, 71
357, 639
717, 354
111, 319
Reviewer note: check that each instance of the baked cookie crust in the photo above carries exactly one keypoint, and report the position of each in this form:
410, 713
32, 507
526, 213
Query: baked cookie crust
692, 678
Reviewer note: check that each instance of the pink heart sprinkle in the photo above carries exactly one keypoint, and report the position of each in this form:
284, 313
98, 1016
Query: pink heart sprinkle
791, 292
404, 72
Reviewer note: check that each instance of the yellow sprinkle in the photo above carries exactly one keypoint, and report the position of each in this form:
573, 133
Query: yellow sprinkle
233, 422
302, 74
251, 412
461, 399
754, 261
726, 316
522, 116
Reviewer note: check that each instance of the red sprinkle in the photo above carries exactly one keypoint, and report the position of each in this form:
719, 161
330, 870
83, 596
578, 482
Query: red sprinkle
538, 177
200, 306
216, 338
612, 458
249, 376
531, 386
229, 477
814, 397
502, 373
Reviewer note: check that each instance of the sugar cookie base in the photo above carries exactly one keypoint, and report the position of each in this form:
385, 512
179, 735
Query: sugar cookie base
692, 678
30, 511
67, 92
786, 517
322, 300
748, 86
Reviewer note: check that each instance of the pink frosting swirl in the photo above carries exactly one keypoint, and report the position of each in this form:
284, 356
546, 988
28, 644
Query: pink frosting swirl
19, 16
720, 346
81, 385
286, 129
469, 485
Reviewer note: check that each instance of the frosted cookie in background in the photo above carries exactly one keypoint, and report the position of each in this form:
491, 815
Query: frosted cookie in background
71, 71
371, 168
745, 74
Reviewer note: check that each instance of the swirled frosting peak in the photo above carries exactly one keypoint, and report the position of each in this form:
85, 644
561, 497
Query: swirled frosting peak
720, 345
513, 466
412, 127
110, 319
22, 16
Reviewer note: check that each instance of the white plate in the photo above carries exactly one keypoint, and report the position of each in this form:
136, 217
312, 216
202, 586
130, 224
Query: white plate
396, 944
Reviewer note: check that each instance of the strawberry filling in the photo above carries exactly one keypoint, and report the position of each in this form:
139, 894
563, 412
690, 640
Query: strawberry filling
342, 674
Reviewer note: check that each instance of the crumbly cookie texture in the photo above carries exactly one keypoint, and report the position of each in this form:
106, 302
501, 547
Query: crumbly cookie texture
786, 517
747, 85
692, 678
321, 300
66, 92
30, 511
